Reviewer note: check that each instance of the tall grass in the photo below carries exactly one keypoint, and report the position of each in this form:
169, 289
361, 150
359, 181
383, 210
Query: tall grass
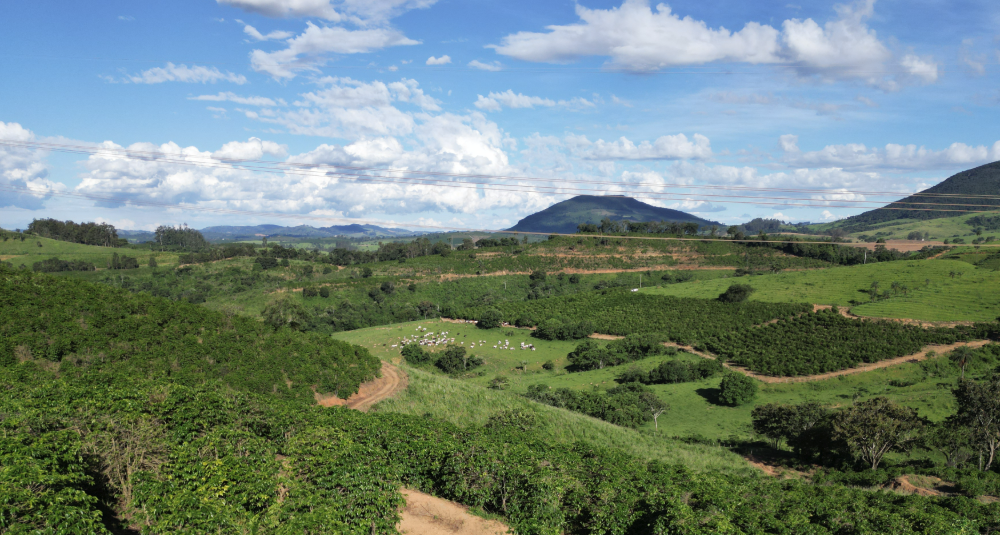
465, 404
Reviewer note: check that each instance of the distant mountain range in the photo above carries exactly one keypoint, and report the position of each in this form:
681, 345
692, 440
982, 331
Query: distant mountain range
563, 217
975, 189
233, 233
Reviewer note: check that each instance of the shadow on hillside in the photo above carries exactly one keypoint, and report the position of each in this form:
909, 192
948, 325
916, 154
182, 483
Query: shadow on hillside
711, 395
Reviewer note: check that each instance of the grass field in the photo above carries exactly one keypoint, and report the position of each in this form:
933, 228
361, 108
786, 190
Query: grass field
28, 252
939, 229
465, 404
934, 294
694, 409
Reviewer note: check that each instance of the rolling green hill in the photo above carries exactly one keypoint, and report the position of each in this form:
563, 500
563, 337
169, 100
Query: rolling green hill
966, 188
563, 217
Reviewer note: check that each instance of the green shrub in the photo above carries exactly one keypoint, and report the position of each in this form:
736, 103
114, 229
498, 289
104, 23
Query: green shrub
736, 293
414, 354
490, 319
737, 389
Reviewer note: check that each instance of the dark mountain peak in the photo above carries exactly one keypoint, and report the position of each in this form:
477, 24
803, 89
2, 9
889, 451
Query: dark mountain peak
960, 192
563, 217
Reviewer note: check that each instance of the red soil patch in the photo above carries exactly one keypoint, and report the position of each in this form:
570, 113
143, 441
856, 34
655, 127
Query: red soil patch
392, 380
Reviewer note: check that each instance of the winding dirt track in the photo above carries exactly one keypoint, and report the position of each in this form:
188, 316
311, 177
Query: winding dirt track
864, 367
392, 381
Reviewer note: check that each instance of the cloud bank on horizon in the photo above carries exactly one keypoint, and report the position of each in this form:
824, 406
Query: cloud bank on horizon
631, 98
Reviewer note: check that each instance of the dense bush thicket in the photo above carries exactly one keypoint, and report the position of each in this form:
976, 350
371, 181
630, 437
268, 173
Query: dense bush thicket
825, 341
220, 252
591, 355
561, 329
54, 265
619, 312
179, 237
210, 460
82, 328
86, 233
627, 405
671, 371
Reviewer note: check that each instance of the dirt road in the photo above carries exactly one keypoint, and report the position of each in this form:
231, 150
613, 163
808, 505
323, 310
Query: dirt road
426, 515
393, 380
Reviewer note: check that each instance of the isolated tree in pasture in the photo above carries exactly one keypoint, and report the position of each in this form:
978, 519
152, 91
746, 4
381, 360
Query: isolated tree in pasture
737, 389
979, 412
962, 356
736, 293
732, 230
875, 427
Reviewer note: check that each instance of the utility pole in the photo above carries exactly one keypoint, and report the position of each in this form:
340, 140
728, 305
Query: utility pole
866, 256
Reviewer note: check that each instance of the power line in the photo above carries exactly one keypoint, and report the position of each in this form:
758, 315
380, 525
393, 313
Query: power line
256, 164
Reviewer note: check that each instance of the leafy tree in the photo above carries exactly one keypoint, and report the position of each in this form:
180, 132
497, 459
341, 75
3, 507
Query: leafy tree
309, 291
548, 365
366, 272
414, 354
285, 262
736, 293
152, 261
875, 427
412, 287
737, 389
284, 312
324, 292
979, 412
490, 319
388, 288
455, 360
574, 278
525, 321
266, 262
500, 382
962, 356
425, 307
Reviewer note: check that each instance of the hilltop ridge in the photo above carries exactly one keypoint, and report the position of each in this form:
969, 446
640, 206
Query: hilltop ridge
563, 217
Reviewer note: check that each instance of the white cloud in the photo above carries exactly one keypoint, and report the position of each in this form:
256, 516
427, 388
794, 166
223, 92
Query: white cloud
789, 143
306, 51
356, 11
24, 170
492, 67
348, 108
636, 38
891, 157
252, 149
496, 101
228, 96
780, 216
183, 73
829, 216
443, 60
670, 147
276, 34
621, 101
924, 69
126, 18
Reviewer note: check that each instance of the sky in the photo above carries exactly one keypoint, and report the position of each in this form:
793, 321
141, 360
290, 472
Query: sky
475, 114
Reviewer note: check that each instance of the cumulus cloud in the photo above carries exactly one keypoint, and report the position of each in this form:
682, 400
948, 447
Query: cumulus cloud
228, 96
306, 51
492, 67
443, 143
443, 60
356, 11
23, 171
183, 73
252, 149
348, 108
496, 101
276, 34
670, 147
890, 157
637, 38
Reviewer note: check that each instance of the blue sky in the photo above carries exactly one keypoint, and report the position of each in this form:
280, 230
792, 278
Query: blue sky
601, 97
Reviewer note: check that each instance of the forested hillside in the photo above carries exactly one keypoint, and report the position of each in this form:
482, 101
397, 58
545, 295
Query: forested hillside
80, 329
975, 189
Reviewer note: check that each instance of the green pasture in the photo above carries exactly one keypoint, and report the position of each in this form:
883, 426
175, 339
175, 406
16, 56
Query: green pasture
934, 295
463, 404
694, 410
34, 249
